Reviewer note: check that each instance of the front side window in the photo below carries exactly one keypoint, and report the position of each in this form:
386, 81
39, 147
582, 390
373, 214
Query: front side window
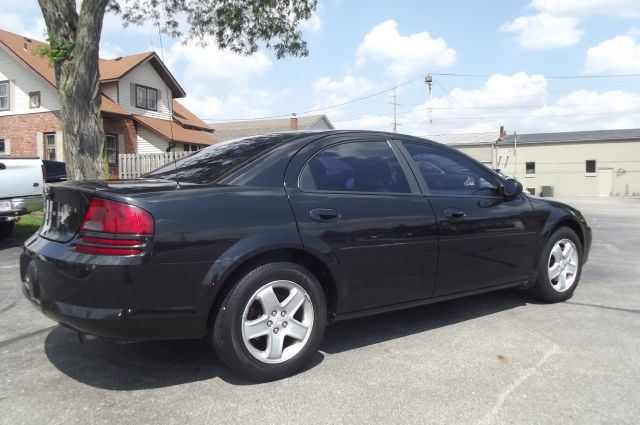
50, 146
590, 166
146, 98
448, 173
355, 167
190, 147
4, 95
111, 148
2, 147
530, 168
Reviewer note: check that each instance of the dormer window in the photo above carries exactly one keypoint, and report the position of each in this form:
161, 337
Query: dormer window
146, 98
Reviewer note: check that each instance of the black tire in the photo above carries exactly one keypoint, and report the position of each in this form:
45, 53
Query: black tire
546, 289
6, 228
227, 330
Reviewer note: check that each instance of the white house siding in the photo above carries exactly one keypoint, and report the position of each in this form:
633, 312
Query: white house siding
22, 82
563, 165
145, 75
110, 90
149, 142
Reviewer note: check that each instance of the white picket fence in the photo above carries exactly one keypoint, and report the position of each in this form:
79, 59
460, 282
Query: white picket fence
133, 165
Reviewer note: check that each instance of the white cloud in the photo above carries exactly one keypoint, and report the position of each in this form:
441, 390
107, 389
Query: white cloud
544, 31
617, 55
404, 55
333, 92
210, 66
624, 8
313, 24
519, 101
110, 51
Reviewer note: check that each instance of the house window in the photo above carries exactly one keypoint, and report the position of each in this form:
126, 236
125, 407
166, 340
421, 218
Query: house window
34, 99
2, 148
531, 190
111, 148
590, 166
530, 168
190, 148
4, 95
146, 98
50, 146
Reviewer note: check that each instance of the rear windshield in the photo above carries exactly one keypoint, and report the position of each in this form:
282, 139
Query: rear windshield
213, 163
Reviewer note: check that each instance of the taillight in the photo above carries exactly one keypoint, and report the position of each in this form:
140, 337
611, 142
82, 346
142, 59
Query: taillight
114, 228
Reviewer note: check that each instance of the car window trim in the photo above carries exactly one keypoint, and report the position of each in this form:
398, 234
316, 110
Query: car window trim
422, 182
413, 187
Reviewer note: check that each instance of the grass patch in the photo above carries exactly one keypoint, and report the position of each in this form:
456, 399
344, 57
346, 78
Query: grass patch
28, 225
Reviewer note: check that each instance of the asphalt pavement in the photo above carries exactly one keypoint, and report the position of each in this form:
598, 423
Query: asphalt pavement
496, 358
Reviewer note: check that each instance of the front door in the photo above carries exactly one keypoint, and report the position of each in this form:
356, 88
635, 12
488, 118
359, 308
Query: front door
485, 239
355, 200
605, 182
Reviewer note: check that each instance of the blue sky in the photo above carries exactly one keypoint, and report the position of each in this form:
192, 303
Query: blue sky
513, 49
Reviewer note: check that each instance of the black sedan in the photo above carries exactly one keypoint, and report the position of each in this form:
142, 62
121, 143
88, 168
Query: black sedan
258, 243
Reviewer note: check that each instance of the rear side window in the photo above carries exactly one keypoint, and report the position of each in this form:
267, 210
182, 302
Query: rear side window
211, 164
355, 167
448, 173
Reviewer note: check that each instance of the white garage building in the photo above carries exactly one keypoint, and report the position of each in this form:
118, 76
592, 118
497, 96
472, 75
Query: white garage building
576, 163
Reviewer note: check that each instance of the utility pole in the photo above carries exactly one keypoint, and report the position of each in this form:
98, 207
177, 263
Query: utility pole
395, 105
429, 81
515, 155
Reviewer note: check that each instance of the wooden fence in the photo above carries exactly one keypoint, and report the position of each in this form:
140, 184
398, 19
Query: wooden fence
133, 165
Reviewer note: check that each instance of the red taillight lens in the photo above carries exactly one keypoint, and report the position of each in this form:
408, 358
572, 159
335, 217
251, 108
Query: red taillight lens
108, 216
107, 220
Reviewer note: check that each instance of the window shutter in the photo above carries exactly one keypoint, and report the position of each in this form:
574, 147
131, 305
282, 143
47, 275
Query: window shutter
59, 147
159, 100
7, 147
132, 90
12, 95
121, 148
40, 145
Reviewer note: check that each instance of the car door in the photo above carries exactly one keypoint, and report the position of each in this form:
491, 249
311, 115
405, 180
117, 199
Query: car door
484, 238
357, 202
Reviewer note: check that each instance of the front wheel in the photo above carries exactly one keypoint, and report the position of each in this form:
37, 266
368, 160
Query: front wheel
559, 267
271, 322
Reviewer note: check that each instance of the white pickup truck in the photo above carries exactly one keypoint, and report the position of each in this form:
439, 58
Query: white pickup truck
21, 189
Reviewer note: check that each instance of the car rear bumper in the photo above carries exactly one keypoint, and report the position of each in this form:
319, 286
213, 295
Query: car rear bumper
20, 206
130, 303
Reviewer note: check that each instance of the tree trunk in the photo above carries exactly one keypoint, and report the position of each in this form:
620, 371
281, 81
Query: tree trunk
78, 82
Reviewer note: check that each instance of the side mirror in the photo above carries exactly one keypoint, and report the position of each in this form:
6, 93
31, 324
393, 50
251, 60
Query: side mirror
511, 188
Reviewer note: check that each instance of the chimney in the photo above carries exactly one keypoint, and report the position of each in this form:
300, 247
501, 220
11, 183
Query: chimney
502, 134
293, 122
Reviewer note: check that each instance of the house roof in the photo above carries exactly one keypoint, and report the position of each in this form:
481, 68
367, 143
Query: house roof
174, 131
237, 129
474, 139
114, 69
465, 138
110, 69
111, 107
188, 119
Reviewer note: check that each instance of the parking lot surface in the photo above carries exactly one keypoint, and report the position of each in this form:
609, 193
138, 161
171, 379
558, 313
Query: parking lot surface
494, 358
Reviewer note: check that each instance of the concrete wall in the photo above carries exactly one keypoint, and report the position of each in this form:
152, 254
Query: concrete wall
563, 166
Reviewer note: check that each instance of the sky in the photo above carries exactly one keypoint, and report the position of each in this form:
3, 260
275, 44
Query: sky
530, 65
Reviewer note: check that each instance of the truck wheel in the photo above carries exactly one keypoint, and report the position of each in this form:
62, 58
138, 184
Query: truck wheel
271, 322
6, 227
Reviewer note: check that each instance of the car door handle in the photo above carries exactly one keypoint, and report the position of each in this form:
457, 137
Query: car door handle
455, 213
324, 215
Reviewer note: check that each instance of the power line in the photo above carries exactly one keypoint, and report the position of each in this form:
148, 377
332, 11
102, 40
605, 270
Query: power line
550, 77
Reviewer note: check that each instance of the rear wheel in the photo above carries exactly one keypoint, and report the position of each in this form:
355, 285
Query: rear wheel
271, 322
559, 267
6, 227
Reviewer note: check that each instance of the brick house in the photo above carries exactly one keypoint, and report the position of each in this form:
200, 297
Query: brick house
139, 107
